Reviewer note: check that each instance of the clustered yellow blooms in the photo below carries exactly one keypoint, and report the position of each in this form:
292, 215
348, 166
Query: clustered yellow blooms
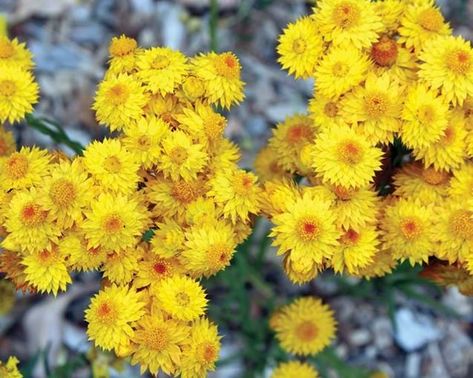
303, 328
154, 210
10, 368
386, 73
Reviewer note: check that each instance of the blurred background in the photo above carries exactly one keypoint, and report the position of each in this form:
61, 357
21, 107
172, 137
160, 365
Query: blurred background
420, 332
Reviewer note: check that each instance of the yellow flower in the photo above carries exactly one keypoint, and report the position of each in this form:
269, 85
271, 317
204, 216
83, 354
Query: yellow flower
424, 117
119, 101
28, 224
325, 111
112, 165
209, 248
449, 152
162, 69
268, 167
237, 192
143, 139
14, 271
158, 344
289, 138
306, 229
408, 230
80, 257
304, 327
374, 109
343, 157
14, 54
120, 267
18, 93
168, 239
123, 53
181, 158
111, 316
448, 66
349, 22
114, 222
66, 193
221, 75
382, 264
46, 270
421, 23
182, 297
336, 74
23, 169
7, 143
200, 355
461, 185
294, 369
357, 250
300, 273
390, 12
300, 47
154, 268
10, 369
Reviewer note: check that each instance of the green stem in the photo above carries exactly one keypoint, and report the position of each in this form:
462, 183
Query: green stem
213, 24
54, 131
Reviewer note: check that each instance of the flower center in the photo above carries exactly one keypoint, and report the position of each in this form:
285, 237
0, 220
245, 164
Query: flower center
433, 177
426, 114
243, 183
32, 214
461, 224
227, 66
157, 339
183, 192
214, 124
342, 193
160, 268
350, 237
340, 69
459, 61
112, 164
7, 88
193, 87
160, 62
411, 228
308, 229
7, 50
62, 192
346, 14
144, 143
118, 94
122, 47
113, 224
384, 52
299, 45
209, 353
107, 313
178, 155
299, 133
350, 152
431, 19
306, 331
17, 166
218, 256
376, 104
449, 136
331, 109
183, 299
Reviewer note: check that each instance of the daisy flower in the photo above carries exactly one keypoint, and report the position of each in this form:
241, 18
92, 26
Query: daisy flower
123, 53
14, 54
294, 369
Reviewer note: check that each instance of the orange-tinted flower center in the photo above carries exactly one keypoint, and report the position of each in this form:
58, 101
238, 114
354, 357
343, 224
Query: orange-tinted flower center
426, 114
308, 229
243, 183
113, 223
306, 331
7, 88
214, 124
350, 237
431, 19
193, 87
376, 104
331, 109
299, 133
160, 62
183, 299
143, 143
33, 214
122, 47
227, 66
346, 14
17, 166
178, 155
461, 224
384, 52
62, 192
299, 45
460, 61
157, 338
218, 256
350, 152
160, 268
118, 94
340, 69
433, 177
112, 164
342, 193
183, 191
411, 228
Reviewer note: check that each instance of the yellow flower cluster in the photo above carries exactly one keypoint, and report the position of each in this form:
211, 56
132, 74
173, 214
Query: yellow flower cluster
304, 328
389, 76
18, 89
10, 369
154, 210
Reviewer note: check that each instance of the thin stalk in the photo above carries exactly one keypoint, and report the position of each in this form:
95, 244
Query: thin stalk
213, 25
